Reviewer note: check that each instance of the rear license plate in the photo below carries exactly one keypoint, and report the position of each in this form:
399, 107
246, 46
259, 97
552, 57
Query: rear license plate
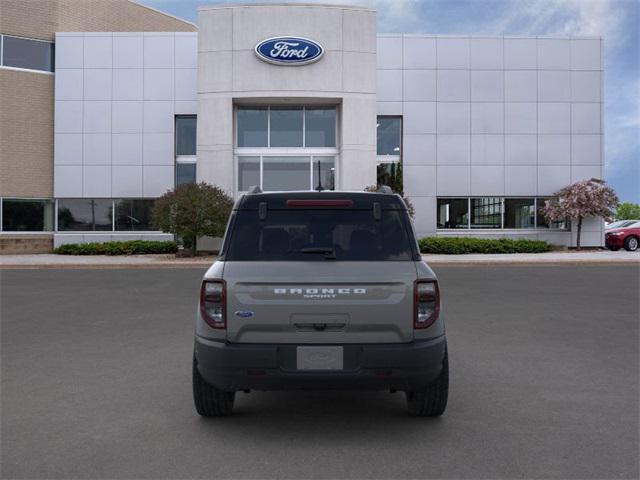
320, 358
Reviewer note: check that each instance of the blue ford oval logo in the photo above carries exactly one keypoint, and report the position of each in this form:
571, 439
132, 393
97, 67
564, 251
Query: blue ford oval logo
244, 314
289, 50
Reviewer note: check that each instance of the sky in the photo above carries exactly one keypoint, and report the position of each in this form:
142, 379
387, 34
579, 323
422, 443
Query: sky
617, 21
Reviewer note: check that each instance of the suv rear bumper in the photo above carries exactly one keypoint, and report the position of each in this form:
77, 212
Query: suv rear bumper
403, 366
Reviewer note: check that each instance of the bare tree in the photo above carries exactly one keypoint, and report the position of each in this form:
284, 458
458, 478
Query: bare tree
586, 198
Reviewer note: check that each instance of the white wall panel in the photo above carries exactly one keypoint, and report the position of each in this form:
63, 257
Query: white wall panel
487, 149
419, 149
585, 86
453, 52
520, 149
487, 53
585, 118
389, 85
419, 52
126, 181
453, 85
158, 84
487, 85
157, 180
554, 86
520, 180
126, 149
585, 54
453, 180
96, 149
97, 84
521, 85
520, 53
158, 51
552, 178
127, 117
127, 51
389, 52
68, 84
586, 150
69, 50
128, 84
454, 149
158, 149
68, 116
554, 54
487, 117
419, 180
554, 118
487, 180
554, 149
419, 117
98, 51
96, 181
96, 117
68, 149
419, 85
454, 117
520, 118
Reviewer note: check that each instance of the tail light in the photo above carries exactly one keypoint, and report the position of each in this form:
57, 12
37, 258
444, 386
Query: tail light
213, 303
426, 303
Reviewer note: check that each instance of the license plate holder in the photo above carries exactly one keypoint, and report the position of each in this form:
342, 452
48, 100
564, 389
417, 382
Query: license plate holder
320, 358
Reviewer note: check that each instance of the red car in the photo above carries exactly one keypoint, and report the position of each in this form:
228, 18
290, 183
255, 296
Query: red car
627, 237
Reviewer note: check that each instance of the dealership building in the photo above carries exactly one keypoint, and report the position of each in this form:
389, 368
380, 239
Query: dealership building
476, 131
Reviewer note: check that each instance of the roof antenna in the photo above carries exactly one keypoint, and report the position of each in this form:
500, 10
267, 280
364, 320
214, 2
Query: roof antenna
319, 188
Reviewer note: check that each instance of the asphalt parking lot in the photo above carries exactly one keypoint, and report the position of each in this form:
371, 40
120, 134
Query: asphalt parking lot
544, 363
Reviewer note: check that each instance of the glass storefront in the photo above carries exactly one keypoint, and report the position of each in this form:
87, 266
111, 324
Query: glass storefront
27, 215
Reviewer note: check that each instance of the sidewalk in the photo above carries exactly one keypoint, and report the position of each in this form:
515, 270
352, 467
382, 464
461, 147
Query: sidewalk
161, 261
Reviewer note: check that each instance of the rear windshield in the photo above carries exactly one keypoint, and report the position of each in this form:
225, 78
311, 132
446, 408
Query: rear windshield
319, 235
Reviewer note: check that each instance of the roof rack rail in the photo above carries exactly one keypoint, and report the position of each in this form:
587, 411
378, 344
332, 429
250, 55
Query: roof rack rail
385, 189
254, 189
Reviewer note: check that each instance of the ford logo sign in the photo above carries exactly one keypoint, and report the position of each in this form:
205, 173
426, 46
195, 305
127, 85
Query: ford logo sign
289, 51
244, 314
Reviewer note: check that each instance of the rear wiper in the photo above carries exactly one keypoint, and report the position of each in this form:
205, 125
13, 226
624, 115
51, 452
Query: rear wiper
329, 253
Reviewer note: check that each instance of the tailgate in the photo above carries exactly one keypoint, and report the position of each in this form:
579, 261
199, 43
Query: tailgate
320, 302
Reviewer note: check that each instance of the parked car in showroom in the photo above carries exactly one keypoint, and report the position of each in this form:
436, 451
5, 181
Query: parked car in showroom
625, 237
320, 290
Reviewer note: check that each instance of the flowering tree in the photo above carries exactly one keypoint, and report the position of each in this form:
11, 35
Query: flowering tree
586, 198
193, 210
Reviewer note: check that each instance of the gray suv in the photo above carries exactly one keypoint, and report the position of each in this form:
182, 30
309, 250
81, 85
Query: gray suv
320, 290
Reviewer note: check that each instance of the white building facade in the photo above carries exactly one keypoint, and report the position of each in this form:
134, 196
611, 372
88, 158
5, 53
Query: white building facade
482, 129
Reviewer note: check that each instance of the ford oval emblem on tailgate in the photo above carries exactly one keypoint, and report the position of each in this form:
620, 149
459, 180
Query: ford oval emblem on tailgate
244, 314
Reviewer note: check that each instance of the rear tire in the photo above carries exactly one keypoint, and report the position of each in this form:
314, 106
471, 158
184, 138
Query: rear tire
209, 401
432, 401
631, 244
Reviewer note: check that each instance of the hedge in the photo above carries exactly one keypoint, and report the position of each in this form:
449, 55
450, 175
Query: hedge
131, 247
461, 245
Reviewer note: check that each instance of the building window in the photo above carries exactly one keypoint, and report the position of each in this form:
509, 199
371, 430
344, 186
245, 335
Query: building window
26, 53
494, 213
389, 136
85, 215
486, 212
389, 152
519, 213
453, 213
186, 141
133, 215
253, 126
287, 172
286, 147
185, 173
320, 127
541, 220
286, 127
27, 215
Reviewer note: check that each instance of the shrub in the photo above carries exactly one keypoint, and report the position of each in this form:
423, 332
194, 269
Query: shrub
132, 247
462, 245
